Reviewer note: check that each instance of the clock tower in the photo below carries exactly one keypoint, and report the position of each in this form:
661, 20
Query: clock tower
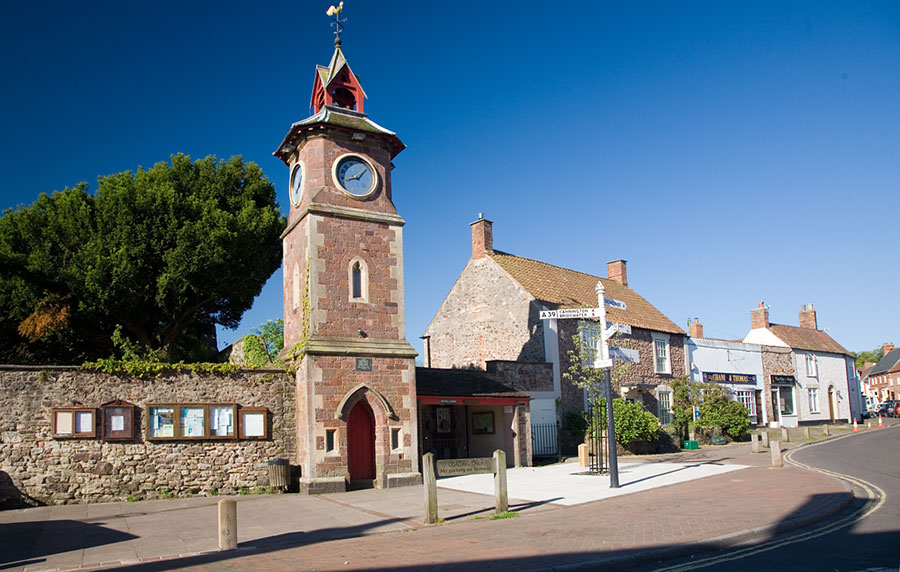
344, 325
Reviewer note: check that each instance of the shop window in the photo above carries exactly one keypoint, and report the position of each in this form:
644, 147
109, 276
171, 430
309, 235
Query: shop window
747, 399
191, 421
785, 400
254, 423
117, 421
73, 422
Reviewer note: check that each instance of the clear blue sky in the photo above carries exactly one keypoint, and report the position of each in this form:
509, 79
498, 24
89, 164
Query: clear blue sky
731, 152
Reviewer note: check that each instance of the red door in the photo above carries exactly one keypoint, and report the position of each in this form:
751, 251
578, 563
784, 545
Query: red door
361, 442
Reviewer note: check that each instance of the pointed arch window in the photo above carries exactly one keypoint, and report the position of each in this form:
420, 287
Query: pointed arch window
359, 280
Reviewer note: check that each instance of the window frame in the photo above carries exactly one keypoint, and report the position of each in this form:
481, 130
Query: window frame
812, 393
73, 411
745, 396
661, 339
363, 298
664, 406
812, 366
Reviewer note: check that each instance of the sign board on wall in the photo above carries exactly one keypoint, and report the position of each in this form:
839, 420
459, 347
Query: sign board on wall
624, 354
718, 377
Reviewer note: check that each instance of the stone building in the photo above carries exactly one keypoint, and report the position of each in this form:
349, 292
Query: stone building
810, 377
343, 294
493, 313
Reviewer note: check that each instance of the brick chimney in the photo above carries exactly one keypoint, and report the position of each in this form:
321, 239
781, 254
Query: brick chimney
696, 329
885, 348
615, 270
808, 317
759, 317
482, 237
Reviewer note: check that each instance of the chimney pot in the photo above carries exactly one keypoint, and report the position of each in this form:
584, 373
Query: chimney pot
482, 237
617, 272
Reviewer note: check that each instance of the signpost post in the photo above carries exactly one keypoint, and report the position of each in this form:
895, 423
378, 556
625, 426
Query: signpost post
601, 361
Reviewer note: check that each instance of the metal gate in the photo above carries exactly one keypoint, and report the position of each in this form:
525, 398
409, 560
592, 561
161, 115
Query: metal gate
596, 441
545, 439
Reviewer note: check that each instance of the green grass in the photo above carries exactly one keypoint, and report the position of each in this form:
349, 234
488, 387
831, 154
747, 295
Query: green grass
505, 514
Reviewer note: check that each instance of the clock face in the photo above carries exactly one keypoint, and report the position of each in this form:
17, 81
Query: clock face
355, 175
297, 184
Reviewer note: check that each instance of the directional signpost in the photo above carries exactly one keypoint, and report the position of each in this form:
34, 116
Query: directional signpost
601, 361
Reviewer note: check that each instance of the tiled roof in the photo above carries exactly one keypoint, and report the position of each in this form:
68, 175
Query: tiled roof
806, 339
563, 288
885, 364
461, 383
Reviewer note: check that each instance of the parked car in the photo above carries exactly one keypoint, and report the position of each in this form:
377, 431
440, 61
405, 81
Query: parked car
888, 409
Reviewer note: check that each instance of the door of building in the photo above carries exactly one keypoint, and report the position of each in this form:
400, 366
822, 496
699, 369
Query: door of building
831, 402
361, 442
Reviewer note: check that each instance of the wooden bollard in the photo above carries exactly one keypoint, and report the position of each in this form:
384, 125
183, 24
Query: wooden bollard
765, 438
227, 524
754, 442
784, 435
431, 502
501, 498
776, 455
806, 432
827, 429
583, 455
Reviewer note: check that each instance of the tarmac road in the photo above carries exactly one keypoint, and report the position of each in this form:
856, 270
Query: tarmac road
865, 536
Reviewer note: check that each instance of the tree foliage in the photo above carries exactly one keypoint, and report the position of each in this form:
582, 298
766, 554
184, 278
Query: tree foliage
165, 254
272, 332
632, 422
874, 356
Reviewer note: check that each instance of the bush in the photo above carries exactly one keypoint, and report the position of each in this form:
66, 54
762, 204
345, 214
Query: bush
633, 422
729, 417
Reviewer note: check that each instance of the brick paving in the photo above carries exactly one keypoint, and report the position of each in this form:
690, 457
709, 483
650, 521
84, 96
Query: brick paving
380, 530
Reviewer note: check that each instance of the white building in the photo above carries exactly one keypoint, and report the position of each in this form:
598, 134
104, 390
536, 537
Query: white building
734, 365
824, 385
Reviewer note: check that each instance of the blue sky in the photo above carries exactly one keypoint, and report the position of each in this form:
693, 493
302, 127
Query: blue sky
731, 152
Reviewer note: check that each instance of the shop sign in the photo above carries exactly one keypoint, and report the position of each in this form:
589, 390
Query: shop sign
718, 377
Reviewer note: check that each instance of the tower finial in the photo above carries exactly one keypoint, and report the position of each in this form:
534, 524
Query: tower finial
338, 21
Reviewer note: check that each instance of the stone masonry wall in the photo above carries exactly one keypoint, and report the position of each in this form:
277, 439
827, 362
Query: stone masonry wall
522, 376
37, 468
486, 316
640, 373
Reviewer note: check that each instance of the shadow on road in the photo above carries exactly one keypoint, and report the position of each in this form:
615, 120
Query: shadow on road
25, 543
286, 552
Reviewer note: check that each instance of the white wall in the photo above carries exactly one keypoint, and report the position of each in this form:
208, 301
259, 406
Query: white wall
831, 371
708, 355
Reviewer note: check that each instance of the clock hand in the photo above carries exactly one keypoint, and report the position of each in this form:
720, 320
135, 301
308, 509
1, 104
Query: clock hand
357, 176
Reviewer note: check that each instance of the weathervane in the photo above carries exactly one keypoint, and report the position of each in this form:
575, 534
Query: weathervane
336, 12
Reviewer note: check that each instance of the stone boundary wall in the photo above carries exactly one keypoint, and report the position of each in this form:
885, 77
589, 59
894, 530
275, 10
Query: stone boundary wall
36, 468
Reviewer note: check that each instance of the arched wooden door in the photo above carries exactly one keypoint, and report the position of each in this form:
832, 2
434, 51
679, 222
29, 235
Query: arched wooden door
361, 442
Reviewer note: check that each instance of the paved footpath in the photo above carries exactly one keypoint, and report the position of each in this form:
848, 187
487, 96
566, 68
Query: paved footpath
382, 530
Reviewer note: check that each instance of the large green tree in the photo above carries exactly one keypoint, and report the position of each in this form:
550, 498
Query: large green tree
161, 254
874, 356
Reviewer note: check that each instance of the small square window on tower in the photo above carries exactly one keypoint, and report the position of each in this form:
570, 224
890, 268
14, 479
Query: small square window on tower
330, 440
395, 438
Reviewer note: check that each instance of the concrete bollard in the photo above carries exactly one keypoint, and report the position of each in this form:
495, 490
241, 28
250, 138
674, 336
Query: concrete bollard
583, 455
754, 442
227, 524
431, 502
776, 455
784, 435
765, 439
827, 430
806, 433
501, 498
